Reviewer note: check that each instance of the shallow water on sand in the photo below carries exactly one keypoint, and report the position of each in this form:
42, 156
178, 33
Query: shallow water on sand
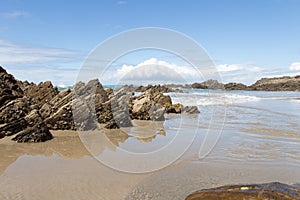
259, 142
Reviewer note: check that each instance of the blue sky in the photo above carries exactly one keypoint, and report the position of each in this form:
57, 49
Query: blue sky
247, 39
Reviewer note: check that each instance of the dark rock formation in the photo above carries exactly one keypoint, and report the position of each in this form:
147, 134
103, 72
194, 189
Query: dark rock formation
179, 108
13, 127
37, 133
120, 106
190, 110
41, 93
87, 101
156, 112
209, 84
104, 113
84, 118
149, 105
61, 119
61, 99
29, 110
249, 192
58, 112
235, 86
13, 110
285, 83
174, 108
33, 118
111, 125
20, 104
9, 88
158, 88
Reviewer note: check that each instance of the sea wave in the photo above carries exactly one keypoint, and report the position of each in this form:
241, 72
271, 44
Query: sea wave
206, 99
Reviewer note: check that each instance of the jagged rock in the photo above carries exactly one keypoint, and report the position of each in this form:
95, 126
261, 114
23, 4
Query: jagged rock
41, 93
88, 100
109, 92
84, 118
61, 99
179, 108
9, 87
156, 113
285, 83
92, 93
249, 192
93, 87
33, 118
119, 106
209, 84
104, 113
111, 125
158, 88
62, 119
37, 133
13, 127
235, 86
190, 110
142, 105
174, 108
13, 110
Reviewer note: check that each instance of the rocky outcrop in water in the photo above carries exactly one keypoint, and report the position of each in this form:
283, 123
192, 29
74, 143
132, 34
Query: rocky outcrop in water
235, 86
249, 192
158, 88
151, 105
285, 83
209, 84
190, 110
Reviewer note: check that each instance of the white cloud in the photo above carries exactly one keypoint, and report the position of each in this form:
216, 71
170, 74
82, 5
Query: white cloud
295, 66
15, 14
228, 68
40, 63
11, 53
57, 75
254, 69
152, 71
244, 73
235, 67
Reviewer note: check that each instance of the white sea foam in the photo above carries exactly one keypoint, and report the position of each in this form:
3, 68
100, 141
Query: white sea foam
207, 99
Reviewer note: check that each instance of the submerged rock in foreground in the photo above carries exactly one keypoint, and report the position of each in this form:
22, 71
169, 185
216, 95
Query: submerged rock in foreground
249, 192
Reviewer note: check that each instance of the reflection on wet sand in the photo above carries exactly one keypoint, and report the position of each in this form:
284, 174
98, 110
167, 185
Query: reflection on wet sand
63, 168
145, 132
68, 144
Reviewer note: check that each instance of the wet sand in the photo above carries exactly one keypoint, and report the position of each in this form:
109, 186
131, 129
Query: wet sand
63, 169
